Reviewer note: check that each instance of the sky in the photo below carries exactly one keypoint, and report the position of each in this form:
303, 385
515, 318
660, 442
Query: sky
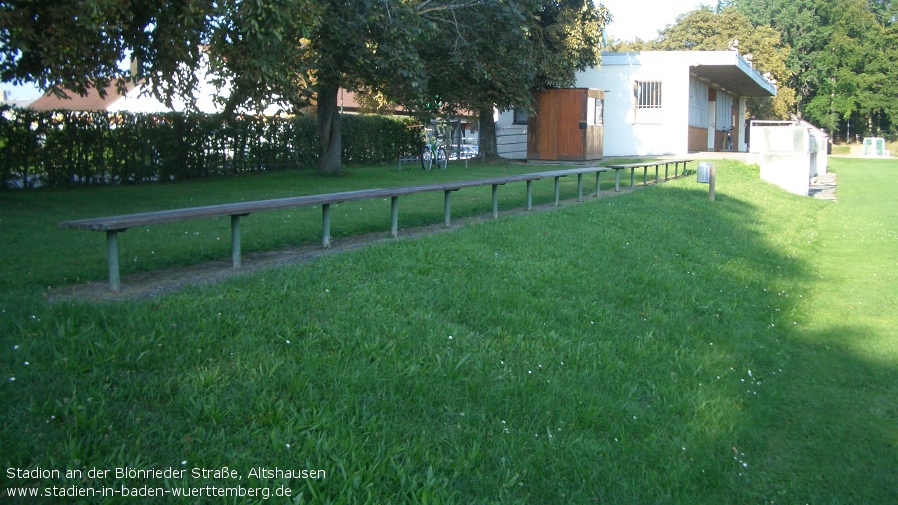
632, 18
643, 18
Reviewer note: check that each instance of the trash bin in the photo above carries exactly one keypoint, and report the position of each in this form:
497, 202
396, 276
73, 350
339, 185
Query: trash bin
703, 173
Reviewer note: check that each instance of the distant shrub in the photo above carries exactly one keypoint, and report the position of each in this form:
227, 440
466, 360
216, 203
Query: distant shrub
62, 148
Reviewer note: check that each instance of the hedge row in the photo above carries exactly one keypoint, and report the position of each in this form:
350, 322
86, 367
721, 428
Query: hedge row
60, 148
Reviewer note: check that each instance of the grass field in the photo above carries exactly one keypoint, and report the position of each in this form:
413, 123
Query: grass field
649, 348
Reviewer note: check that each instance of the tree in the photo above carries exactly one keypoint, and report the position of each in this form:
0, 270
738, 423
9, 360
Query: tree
843, 58
471, 65
301, 52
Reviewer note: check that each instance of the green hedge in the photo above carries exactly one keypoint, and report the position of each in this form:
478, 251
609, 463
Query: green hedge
60, 148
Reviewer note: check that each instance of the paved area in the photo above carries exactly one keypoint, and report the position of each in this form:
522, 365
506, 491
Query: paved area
823, 187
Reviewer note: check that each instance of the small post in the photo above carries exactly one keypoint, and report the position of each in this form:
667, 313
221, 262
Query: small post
645, 175
557, 190
326, 225
665, 171
235, 242
598, 174
712, 182
495, 201
616, 180
656, 174
394, 216
632, 176
579, 187
529, 195
447, 207
115, 282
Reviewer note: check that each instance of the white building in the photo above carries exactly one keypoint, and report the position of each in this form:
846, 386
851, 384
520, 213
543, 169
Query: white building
669, 102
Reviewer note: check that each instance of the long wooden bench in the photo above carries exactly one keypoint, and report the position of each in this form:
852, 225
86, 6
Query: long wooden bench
118, 224
645, 167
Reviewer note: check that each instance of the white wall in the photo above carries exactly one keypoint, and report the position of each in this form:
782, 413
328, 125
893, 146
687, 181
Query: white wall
783, 151
626, 133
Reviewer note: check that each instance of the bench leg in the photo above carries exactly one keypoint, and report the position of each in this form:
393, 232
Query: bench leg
633, 177
645, 175
617, 181
495, 201
656, 174
557, 191
529, 195
598, 174
676, 166
235, 242
326, 225
447, 208
579, 187
115, 282
394, 216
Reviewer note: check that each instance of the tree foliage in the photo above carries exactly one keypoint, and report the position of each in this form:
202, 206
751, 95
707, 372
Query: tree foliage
471, 65
460, 53
844, 56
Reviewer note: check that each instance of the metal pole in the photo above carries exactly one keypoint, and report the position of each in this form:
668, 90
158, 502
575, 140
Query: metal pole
557, 191
447, 208
394, 216
115, 283
495, 201
235, 242
326, 225
529, 195
598, 174
579, 187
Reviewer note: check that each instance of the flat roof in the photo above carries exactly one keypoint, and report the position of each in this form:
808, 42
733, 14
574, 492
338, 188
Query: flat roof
725, 69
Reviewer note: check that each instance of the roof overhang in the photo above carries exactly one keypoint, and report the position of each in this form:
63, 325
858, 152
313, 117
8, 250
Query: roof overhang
729, 71
722, 69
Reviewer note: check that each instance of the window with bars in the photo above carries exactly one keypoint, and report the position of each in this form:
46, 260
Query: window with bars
648, 94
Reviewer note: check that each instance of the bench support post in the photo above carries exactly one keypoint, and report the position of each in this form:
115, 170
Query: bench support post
447, 207
645, 175
656, 174
235, 242
617, 180
529, 195
632, 176
598, 175
495, 201
665, 171
326, 225
557, 190
394, 216
579, 187
115, 282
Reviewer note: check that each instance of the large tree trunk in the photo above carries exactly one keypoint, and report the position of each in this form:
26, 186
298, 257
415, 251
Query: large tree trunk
329, 159
487, 147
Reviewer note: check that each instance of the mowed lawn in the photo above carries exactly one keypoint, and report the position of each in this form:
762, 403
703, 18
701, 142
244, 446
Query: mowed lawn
653, 347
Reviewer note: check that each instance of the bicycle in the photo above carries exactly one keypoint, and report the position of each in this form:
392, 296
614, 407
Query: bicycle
728, 143
434, 150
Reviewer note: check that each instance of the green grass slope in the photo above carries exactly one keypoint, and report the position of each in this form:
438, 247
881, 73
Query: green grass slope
649, 348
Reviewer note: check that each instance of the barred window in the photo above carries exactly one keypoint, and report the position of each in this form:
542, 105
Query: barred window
648, 94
